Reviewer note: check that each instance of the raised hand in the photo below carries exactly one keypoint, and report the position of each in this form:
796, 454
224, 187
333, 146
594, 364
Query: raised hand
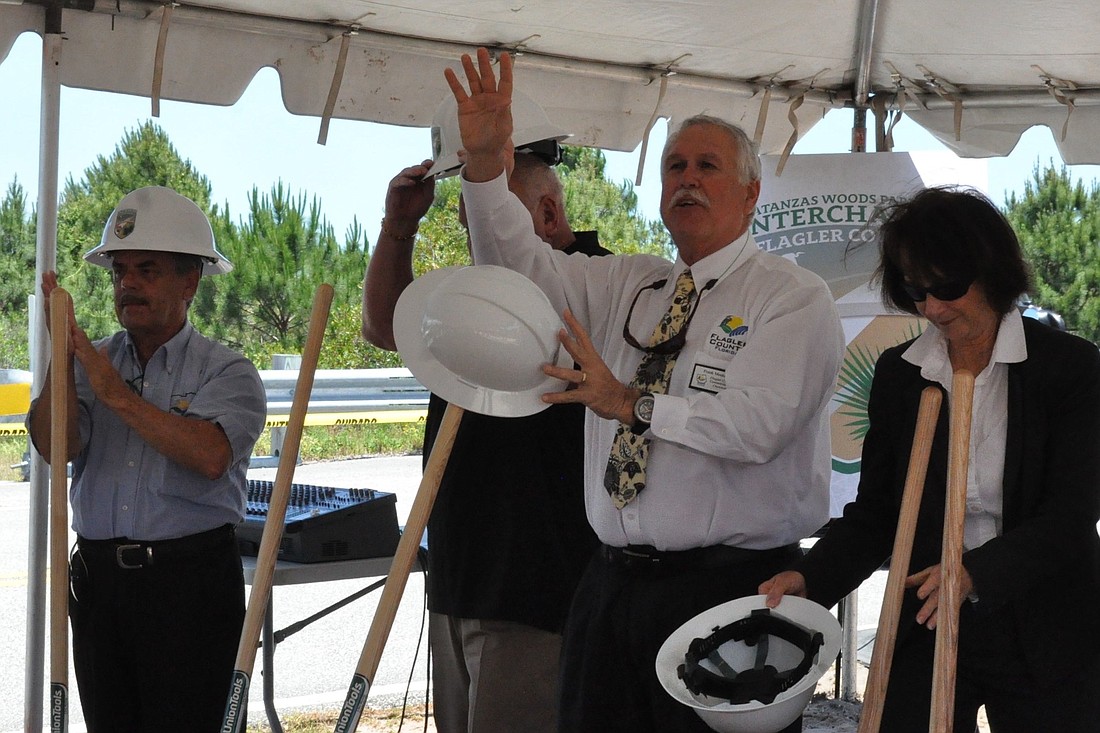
484, 114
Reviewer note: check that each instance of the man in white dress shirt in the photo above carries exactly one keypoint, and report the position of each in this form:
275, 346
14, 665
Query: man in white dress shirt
738, 455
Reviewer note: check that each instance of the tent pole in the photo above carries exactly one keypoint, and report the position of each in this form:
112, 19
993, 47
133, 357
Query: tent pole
46, 258
849, 607
859, 130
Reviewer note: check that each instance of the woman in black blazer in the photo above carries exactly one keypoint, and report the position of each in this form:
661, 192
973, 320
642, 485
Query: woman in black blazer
1029, 627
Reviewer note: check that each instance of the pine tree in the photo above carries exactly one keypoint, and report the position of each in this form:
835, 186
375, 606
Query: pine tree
145, 157
594, 202
17, 250
1058, 224
285, 249
17, 267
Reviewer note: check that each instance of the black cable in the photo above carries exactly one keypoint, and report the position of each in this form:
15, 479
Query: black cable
422, 558
280, 635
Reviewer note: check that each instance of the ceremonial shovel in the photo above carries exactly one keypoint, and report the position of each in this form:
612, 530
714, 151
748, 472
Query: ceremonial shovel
236, 707
881, 657
60, 304
941, 712
403, 560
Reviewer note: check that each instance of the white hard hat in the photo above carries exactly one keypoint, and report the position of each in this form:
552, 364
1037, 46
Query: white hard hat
532, 132
159, 219
478, 337
746, 668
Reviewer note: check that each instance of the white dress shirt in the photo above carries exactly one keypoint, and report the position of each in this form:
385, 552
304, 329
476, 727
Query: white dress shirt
988, 420
740, 451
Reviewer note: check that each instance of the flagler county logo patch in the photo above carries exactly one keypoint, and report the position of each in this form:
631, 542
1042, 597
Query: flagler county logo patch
729, 337
181, 403
734, 326
125, 220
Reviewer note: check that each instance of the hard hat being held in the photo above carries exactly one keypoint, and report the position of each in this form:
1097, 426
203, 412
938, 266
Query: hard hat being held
158, 219
745, 668
478, 337
532, 132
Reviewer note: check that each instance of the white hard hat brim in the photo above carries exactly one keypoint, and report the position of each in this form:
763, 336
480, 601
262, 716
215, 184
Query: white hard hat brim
101, 256
468, 390
449, 165
753, 716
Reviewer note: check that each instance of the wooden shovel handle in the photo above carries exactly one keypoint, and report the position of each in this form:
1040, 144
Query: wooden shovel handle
947, 615
60, 305
403, 560
268, 554
882, 656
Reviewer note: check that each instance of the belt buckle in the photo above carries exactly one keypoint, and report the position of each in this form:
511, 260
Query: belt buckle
634, 558
146, 558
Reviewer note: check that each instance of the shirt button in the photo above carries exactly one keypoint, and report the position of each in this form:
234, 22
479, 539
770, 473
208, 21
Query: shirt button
125, 508
130, 464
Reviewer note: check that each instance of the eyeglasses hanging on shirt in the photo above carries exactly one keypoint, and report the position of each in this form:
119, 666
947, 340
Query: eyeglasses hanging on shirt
674, 343
136, 383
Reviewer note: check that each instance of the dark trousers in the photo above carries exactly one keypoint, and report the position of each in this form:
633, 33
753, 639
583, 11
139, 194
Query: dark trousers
990, 671
154, 646
621, 615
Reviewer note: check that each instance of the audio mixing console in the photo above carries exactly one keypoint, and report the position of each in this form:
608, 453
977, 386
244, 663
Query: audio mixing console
323, 523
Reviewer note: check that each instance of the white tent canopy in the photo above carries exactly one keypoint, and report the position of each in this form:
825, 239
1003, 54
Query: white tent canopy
982, 71
976, 73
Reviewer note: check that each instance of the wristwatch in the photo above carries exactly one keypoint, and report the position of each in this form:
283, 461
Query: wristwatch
643, 413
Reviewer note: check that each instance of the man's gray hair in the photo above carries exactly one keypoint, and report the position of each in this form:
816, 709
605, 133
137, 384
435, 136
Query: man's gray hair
533, 178
748, 159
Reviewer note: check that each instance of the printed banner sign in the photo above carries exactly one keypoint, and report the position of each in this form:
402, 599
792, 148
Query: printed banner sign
819, 213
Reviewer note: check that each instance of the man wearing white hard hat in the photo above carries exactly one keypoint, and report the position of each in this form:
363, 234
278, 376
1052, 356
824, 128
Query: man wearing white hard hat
507, 536
161, 425
708, 382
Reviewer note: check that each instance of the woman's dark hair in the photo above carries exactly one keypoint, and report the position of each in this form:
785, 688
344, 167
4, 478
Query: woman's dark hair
949, 234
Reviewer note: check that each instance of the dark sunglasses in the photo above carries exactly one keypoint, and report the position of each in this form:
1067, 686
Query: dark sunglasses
950, 290
674, 343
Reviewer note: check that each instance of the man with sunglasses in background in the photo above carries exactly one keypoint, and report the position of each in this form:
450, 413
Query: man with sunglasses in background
507, 537
708, 380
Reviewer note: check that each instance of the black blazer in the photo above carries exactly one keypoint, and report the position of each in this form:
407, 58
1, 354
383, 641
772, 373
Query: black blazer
1044, 570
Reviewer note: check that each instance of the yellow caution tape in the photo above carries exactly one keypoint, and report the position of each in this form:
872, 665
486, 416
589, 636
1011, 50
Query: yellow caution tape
376, 417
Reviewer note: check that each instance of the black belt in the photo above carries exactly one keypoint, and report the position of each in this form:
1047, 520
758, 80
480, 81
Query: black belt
645, 557
135, 554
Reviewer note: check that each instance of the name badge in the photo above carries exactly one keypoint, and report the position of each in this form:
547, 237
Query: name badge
707, 379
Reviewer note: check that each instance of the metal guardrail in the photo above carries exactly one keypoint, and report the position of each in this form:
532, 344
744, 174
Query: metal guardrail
342, 397
339, 397
343, 391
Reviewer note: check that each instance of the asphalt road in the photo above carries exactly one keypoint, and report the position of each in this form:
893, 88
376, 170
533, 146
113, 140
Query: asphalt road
313, 667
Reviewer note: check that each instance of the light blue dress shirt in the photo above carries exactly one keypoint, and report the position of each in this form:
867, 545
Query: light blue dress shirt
122, 486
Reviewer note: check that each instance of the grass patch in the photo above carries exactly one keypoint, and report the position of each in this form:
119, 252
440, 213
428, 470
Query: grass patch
373, 721
319, 443
330, 442
12, 449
